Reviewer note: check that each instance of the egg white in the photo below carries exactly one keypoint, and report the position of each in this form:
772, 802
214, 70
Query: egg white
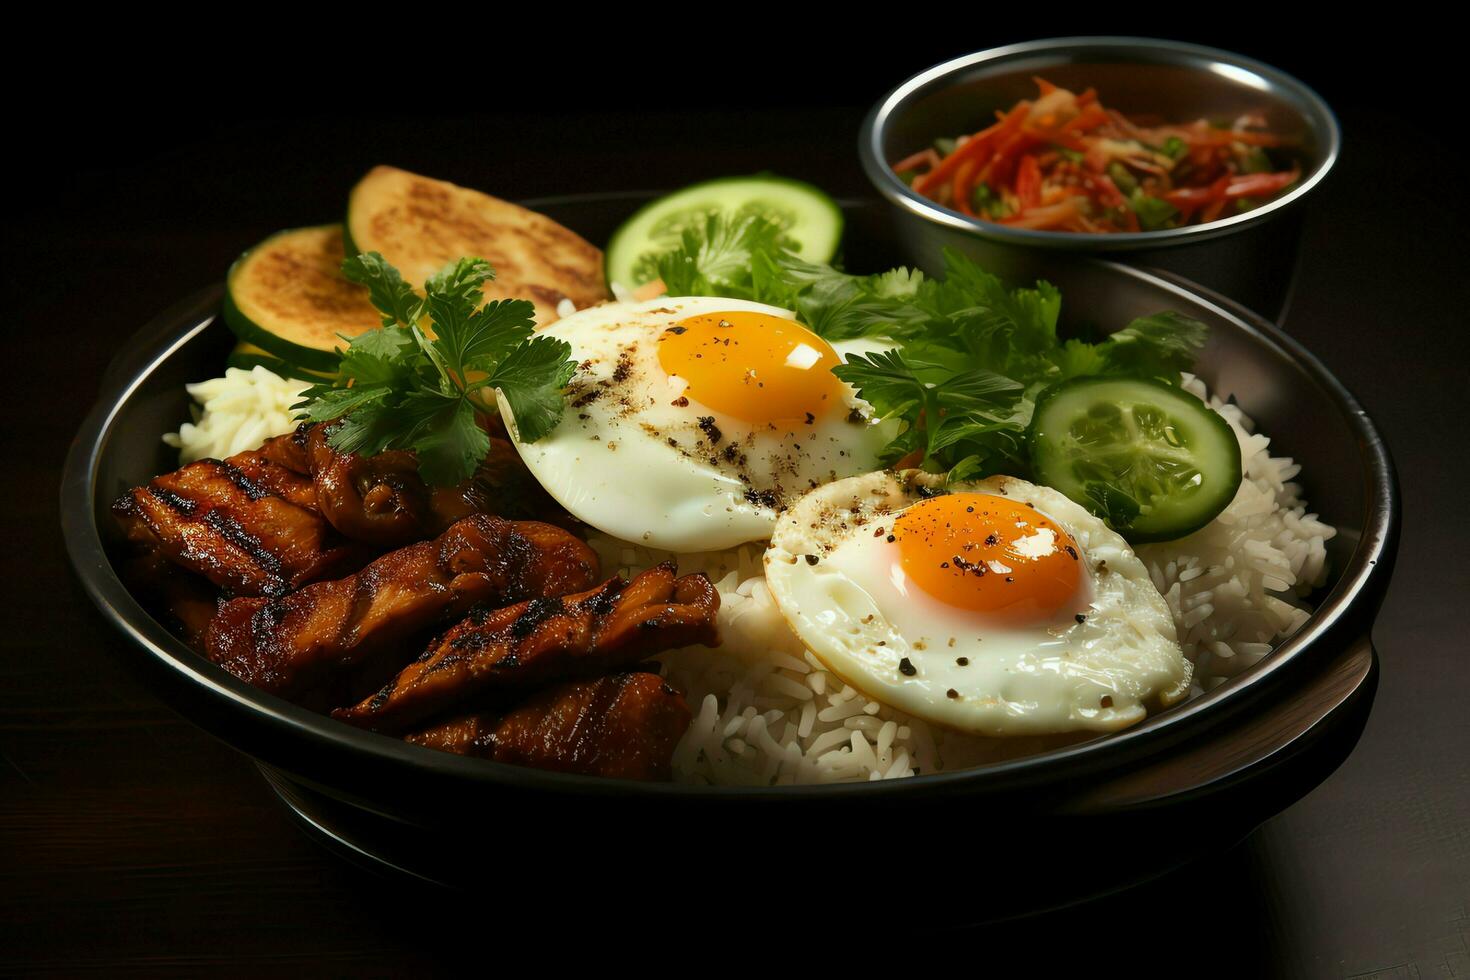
827, 572
632, 463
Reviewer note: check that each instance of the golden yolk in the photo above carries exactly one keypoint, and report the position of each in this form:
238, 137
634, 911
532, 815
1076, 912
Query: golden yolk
753, 366
990, 554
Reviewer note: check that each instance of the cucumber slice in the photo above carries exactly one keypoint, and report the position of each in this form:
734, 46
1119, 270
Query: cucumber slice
288, 297
1154, 461
248, 356
808, 217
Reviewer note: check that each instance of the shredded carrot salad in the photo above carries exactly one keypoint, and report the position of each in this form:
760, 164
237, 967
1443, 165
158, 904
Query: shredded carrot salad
1064, 162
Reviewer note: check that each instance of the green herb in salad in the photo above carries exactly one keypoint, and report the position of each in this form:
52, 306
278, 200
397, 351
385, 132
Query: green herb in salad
423, 379
970, 357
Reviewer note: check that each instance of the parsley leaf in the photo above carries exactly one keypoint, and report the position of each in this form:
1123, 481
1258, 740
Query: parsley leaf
969, 354
446, 435
531, 378
715, 258
393, 297
378, 356
1158, 346
423, 381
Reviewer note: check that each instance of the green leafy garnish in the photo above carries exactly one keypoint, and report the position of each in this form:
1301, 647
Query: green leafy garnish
714, 258
987, 202
1154, 213
422, 380
967, 355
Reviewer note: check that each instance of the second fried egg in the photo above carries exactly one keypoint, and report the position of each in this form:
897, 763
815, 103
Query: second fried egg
994, 608
691, 422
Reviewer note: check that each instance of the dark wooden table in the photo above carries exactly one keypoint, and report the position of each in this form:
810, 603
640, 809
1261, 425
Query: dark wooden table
131, 842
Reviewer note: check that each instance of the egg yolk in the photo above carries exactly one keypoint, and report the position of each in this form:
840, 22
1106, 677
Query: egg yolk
990, 554
753, 366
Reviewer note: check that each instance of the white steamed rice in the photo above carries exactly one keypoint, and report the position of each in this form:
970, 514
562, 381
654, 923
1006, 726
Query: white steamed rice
235, 413
1238, 585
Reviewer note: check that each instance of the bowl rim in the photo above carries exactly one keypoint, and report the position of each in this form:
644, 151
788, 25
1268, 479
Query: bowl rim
887, 183
1358, 589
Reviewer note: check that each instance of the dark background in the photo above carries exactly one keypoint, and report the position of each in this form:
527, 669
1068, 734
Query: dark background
129, 841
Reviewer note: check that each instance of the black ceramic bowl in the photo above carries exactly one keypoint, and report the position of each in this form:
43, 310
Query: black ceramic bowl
1250, 257
1224, 761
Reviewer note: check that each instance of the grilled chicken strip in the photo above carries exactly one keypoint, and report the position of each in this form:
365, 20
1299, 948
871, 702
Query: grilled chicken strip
382, 498
511, 651
187, 601
247, 523
624, 726
290, 644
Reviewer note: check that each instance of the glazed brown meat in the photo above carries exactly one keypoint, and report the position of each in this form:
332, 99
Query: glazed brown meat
383, 500
248, 524
498, 656
290, 644
624, 726
188, 601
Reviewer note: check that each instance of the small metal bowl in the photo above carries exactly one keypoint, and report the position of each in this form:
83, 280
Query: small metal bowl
1249, 257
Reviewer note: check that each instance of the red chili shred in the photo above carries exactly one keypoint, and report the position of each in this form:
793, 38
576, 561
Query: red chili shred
1065, 162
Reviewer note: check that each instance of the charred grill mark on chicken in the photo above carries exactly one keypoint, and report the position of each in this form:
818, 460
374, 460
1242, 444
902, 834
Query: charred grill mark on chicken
289, 644
623, 726
516, 649
267, 521
247, 524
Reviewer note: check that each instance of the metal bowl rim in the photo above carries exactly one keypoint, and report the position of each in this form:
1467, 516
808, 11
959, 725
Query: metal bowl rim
875, 165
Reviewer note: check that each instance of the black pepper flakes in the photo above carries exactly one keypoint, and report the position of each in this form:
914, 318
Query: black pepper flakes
962, 661
811, 559
1081, 618
906, 667
763, 498
710, 430
952, 694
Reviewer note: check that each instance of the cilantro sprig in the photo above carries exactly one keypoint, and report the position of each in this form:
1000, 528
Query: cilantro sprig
968, 355
421, 380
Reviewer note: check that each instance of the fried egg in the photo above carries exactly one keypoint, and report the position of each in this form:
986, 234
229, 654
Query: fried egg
691, 422
995, 608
